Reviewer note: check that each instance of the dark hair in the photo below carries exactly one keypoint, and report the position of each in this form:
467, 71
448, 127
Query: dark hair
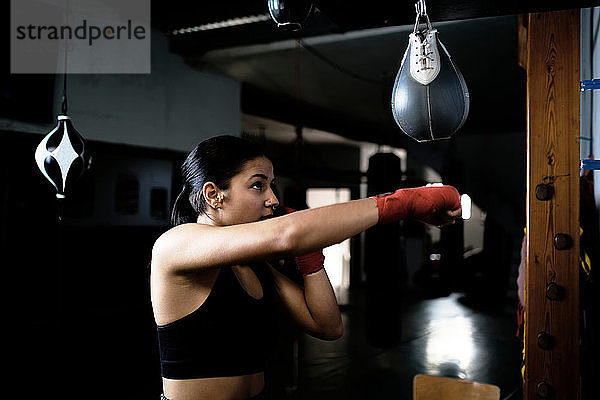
216, 160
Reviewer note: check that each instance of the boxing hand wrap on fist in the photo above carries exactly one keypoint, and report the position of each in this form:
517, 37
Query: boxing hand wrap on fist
307, 263
428, 204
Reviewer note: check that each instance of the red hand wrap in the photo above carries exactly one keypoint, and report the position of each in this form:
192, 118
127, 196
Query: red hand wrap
286, 210
311, 262
423, 203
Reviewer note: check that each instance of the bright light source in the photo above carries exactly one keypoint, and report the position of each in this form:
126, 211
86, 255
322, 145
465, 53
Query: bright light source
465, 202
337, 256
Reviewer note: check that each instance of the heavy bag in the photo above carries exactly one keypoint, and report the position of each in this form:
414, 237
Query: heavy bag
385, 266
430, 99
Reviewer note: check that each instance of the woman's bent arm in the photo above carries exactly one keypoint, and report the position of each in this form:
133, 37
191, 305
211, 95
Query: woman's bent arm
315, 308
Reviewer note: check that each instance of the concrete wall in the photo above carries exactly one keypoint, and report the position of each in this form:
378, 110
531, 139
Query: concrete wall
173, 108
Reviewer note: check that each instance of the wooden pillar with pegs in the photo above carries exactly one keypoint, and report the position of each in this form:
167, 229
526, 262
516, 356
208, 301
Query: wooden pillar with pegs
552, 294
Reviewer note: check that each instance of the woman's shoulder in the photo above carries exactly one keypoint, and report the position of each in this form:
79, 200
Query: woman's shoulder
176, 236
182, 229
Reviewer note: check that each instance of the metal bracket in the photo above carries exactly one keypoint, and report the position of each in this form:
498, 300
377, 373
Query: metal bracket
590, 164
421, 8
590, 84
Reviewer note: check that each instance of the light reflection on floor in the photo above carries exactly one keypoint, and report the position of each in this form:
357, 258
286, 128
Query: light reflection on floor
449, 342
441, 337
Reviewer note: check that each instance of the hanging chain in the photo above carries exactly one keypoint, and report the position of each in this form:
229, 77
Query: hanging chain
64, 96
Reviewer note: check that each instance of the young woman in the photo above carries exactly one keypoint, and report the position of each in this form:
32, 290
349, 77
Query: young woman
211, 280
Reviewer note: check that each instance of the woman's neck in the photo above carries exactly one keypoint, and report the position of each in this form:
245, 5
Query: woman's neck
206, 219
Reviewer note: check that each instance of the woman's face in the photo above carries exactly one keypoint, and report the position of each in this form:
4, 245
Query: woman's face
250, 196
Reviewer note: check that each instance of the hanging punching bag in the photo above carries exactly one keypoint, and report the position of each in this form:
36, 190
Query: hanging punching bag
290, 15
430, 99
62, 156
385, 267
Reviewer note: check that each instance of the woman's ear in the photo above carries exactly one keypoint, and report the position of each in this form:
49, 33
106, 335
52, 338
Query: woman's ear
212, 195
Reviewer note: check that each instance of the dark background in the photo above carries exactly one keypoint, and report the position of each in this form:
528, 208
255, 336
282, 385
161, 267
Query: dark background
76, 297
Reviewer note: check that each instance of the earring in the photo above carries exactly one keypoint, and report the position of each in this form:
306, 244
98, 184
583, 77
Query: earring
219, 202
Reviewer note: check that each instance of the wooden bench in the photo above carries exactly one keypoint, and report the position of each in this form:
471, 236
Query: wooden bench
426, 387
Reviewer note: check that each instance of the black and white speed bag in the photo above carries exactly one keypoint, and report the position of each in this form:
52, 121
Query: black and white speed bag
62, 155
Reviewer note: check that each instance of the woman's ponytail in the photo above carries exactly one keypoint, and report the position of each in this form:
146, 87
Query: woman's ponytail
183, 212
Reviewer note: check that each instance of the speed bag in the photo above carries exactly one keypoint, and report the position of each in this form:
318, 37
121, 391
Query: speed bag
430, 99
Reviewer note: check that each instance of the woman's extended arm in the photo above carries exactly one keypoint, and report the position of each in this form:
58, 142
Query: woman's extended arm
197, 246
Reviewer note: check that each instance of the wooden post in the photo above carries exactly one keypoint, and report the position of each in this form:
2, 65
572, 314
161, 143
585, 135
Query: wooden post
552, 297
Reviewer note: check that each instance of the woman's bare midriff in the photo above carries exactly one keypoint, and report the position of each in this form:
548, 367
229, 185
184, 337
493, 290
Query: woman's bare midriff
222, 388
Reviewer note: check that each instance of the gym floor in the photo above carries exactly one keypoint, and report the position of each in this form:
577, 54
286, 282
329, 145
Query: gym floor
444, 336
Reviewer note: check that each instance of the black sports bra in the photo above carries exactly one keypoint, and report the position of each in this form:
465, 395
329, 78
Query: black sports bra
228, 335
